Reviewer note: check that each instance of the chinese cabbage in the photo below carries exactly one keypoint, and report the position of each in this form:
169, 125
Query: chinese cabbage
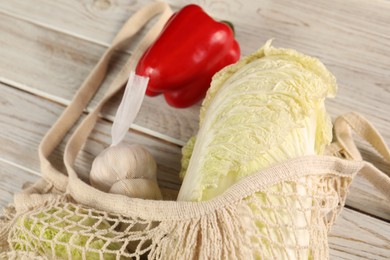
265, 109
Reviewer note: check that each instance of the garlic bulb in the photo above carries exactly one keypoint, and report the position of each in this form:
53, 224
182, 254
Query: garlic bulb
122, 168
123, 162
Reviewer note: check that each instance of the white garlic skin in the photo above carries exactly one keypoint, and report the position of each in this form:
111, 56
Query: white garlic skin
137, 188
119, 162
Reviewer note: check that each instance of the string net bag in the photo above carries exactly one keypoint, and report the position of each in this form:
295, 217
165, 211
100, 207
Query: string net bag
243, 222
265, 215
262, 216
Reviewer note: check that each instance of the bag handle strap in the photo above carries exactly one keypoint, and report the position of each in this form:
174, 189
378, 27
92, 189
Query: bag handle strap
82, 132
89, 87
362, 127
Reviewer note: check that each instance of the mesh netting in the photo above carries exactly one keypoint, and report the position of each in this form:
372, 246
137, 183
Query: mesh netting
287, 220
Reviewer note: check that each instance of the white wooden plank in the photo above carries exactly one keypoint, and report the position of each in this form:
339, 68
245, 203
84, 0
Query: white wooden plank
351, 38
93, 20
12, 179
26, 118
362, 194
357, 236
44, 63
256, 21
271, 18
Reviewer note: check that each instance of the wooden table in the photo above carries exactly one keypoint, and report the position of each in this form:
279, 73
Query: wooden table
47, 48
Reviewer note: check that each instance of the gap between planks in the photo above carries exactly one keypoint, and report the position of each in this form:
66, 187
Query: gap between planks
80, 36
70, 33
367, 213
55, 29
65, 102
21, 167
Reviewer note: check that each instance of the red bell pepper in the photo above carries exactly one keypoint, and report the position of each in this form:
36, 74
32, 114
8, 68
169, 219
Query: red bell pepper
191, 48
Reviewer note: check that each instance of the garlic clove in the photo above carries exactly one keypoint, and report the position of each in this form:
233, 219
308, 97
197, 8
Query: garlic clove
137, 188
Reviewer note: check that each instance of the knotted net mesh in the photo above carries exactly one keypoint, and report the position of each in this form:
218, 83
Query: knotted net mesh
290, 219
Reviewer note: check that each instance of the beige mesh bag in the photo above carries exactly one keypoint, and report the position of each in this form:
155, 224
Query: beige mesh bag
61, 217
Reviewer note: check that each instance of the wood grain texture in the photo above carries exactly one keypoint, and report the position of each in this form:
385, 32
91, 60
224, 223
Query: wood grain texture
54, 65
368, 238
12, 180
352, 43
352, 38
27, 118
93, 20
362, 194
49, 47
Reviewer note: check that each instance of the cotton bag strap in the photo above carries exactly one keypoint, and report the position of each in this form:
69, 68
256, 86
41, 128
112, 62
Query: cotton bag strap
86, 195
92, 83
343, 127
